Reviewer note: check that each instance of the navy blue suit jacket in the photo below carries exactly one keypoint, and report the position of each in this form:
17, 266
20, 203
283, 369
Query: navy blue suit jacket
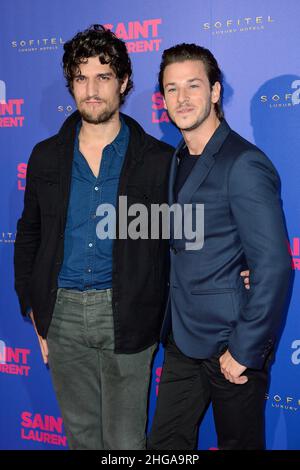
208, 306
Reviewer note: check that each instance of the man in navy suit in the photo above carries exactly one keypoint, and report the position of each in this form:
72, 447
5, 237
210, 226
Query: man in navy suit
219, 337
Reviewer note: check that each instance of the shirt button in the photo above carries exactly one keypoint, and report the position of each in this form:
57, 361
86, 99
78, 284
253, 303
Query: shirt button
96, 188
90, 245
89, 270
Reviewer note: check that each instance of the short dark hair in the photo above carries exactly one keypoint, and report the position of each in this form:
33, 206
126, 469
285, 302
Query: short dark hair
182, 52
92, 42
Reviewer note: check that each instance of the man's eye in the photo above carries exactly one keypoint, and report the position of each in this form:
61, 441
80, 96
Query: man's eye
170, 90
80, 78
103, 77
194, 86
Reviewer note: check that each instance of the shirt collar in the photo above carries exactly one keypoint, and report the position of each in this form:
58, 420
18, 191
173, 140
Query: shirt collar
213, 145
120, 142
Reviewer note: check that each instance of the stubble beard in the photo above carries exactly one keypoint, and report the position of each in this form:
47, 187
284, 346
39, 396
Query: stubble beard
198, 122
102, 117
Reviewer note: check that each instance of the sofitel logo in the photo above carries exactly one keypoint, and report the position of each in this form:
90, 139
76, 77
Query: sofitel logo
283, 99
66, 110
283, 402
139, 36
37, 45
238, 25
7, 237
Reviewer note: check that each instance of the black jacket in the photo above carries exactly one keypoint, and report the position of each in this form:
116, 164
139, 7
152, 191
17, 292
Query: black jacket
140, 267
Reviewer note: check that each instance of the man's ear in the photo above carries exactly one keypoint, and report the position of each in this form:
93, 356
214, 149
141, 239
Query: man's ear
216, 92
124, 84
164, 101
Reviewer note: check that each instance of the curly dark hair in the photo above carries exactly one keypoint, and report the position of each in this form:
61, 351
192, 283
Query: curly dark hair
182, 52
92, 42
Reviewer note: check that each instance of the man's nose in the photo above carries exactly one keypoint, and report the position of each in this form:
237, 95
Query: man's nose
182, 95
92, 87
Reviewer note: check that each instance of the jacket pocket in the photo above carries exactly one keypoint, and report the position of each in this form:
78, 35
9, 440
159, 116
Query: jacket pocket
215, 308
211, 291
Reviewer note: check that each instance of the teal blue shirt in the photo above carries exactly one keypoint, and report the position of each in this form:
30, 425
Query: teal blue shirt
87, 260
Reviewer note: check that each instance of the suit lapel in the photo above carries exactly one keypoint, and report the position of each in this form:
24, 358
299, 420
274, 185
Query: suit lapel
173, 172
172, 178
204, 163
198, 174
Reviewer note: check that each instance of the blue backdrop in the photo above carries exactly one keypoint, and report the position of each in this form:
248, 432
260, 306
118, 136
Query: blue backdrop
256, 44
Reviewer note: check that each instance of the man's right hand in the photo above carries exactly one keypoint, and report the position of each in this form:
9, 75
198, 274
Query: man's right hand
42, 341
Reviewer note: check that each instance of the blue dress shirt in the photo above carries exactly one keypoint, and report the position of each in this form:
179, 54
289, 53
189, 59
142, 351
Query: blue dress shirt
87, 260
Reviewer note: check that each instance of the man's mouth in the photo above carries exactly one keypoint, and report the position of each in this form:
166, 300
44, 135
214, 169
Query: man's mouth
184, 110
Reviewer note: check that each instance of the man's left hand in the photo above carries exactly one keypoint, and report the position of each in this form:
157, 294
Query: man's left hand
246, 278
232, 369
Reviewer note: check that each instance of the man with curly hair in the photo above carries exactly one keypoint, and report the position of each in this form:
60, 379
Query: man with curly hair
96, 304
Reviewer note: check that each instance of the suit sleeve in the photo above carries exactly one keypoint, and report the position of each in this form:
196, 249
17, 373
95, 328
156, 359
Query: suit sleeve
257, 212
27, 238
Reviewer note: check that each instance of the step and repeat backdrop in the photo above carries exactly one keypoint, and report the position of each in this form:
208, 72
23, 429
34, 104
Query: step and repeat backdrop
257, 46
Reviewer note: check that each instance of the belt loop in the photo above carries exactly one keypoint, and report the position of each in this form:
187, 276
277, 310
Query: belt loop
109, 295
58, 294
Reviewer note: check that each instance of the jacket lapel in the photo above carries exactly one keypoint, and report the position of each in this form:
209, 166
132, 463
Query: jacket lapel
173, 172
172, 178
199, 173
204, 163
65, 148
